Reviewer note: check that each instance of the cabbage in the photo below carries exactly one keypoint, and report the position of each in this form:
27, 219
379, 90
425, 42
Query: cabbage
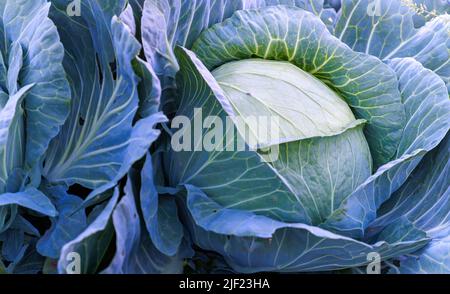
171, 136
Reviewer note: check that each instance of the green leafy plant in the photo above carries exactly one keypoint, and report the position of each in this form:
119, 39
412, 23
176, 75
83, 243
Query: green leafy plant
95, 103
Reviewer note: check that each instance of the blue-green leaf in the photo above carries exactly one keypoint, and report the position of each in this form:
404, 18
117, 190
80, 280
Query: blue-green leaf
2, 268
66, 226
143, 135
25, 24
35, 57
31, 263
135, 252
35, 92
92, 144
426, 104
92, 243
374, 27
434, 259
425, 201
430, 46
252, 243
7, 217
127, 227
32, 199
430, 9
149, 88
166, 24
11, 132
127, 16
427, 107
159, 212
386, 29
424, 198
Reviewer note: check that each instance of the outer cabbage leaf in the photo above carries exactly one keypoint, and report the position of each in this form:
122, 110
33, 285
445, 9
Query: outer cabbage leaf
66, 226
438, 6
143, 135
7, 217
381, 25
92, 144
92, 243
136, 253
160, 214
30, 261
166, 24
424, 201
432, 9
127, 16
18, 247
32, 47
13, 245
434, 259
30, 198
252, 243
149, 88
11, 140
427, 107
389, 32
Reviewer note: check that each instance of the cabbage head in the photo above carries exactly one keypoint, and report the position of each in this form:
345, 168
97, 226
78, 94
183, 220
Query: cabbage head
361, 104
218, 136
